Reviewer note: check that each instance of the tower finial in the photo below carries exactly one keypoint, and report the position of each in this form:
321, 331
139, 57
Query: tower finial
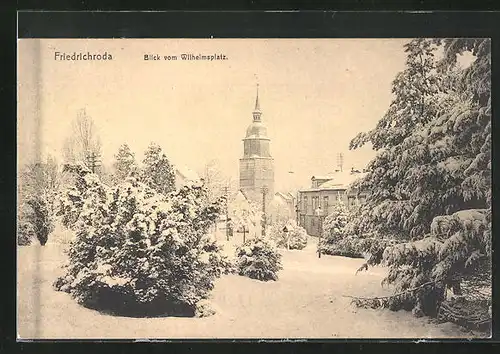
257, 105
257, 112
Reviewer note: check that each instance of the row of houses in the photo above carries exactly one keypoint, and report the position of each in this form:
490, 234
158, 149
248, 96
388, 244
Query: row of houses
310, 205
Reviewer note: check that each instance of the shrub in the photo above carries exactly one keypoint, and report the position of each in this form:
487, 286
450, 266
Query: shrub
25, 232
336, 241
34, 221
294, 239
258, 259
140, 253
71, 201
37, 189
348, 246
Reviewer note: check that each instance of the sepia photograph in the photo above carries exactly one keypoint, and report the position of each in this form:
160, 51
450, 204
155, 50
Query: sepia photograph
254, 188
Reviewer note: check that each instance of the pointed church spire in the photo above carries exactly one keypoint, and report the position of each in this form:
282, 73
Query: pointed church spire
257, 105
257, 112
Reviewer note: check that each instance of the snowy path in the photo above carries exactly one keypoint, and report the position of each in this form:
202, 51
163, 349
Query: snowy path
306, 302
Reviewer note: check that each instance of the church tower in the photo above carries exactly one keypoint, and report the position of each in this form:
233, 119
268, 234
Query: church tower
257, 165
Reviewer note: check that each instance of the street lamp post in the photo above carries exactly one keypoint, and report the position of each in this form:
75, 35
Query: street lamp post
226, 194
319, 213
297, 208
264, 191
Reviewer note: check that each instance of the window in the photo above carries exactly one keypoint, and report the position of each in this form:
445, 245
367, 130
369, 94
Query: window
325, 205
304, 207
315, 203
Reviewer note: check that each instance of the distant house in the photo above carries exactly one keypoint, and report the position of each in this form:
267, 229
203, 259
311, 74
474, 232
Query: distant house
184, 175
325, 192
281, 207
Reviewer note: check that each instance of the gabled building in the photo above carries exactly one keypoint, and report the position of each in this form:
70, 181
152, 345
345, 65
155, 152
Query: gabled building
184, 175
325, 192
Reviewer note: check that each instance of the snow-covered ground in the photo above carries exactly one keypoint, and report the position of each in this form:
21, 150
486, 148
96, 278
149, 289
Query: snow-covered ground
306, 302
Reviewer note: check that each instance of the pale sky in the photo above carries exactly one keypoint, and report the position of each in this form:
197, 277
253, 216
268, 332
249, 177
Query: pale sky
315, 95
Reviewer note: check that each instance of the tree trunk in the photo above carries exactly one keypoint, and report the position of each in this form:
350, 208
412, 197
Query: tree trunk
457, 290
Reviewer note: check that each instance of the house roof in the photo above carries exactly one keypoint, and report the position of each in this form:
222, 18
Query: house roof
286, 196
278, 200
240, 201
337, 181
323, 177
243, 194
186, 173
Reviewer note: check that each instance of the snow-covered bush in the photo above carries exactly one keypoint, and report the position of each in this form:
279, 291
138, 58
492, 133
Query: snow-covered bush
295, 238
25, 231
72, 199
37, 189
258, 259
41, 218
336, 239
140, 253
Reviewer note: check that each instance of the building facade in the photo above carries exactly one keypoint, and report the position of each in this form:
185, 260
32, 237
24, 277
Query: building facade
326, 191
257, 165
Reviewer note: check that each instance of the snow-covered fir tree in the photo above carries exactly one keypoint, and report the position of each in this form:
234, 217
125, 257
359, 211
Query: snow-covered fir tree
157, 172
125, 163
429, 187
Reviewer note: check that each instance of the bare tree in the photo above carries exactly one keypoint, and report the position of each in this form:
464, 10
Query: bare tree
83, 140
216, 182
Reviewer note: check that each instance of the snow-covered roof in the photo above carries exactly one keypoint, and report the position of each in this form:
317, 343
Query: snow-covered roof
240, 201
323, 177
277, 201
341, 180
242, 195
337, 181
186, 173
285, 196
